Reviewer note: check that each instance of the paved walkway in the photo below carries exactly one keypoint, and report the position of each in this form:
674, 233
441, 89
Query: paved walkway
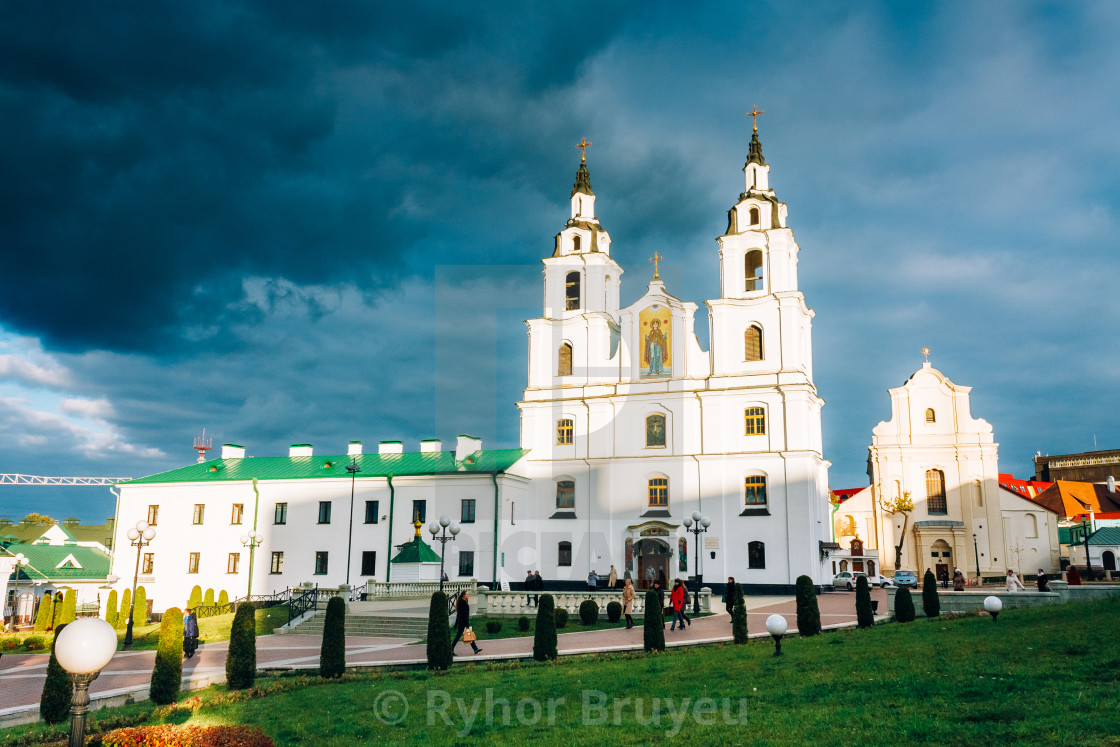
129, 673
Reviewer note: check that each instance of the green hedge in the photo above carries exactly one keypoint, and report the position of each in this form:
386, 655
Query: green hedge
167, 676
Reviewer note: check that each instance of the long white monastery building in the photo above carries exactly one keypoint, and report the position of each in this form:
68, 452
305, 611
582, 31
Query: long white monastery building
627, 427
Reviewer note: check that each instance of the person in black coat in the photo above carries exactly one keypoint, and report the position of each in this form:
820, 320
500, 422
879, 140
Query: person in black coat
463, 620
1043, 583
190, 633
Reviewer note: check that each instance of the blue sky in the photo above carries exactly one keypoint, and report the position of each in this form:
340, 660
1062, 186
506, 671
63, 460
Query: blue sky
290, 222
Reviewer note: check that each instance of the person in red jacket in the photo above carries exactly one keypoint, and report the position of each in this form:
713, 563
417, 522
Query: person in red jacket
676, 600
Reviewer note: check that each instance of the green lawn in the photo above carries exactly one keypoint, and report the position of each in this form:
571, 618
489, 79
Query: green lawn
1046, 675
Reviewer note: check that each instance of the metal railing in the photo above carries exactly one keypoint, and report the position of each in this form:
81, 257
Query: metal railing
300, 603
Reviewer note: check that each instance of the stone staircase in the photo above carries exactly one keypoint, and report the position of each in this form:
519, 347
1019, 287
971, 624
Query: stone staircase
379, 626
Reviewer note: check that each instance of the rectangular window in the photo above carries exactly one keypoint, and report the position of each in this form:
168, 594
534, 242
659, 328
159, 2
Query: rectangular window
281, 514
192, 563
320, 563
565, 554
324, 512
466, 562
467, 514
372, 511
755, 421
277, 563
149, 562
199, 513
935, 492
659, 492
369, 563
564, 429
420, 511
238, 513
153, 515
754, 490
233, 563
565, 494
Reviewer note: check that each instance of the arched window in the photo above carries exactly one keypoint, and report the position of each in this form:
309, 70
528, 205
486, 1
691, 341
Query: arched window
575, 244
566, 494
754, 490
935, 492
871, 568
754, 419
1032, 525
655, 430
756, 554
571, 291
565, 554
754, 216
978, 489
564, 429
753, 267
752, 343
564, 360
659, 492
931, 416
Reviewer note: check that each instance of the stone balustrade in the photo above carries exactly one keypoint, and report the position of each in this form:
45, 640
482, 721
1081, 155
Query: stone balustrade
972, 600
416, 589
515, 603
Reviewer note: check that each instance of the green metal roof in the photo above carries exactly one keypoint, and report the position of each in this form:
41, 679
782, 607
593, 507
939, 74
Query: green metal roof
416, 551
1105, 536
318, 467
44, 558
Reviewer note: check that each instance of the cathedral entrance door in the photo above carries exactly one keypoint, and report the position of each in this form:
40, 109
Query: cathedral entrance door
653, 562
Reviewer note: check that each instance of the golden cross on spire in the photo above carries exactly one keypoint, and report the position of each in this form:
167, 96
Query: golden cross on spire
754, 112
655, 259
582, 144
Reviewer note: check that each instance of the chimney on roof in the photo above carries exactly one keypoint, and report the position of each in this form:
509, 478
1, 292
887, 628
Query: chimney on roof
465, 446
233, 451
354, 448
301, 450
1111, 484
390, 447
430, 444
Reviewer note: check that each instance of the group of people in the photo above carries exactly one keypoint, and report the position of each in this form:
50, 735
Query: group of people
1014, 584
612, 579
533, 582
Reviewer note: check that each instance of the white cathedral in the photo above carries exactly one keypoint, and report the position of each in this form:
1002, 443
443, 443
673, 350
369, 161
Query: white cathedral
628, 427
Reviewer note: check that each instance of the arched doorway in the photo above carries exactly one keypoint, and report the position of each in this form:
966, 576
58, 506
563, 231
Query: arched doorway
942, 556
653, 561
1108, 560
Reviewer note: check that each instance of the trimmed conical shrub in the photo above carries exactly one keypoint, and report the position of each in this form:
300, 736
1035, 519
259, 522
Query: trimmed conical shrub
808, 614
588, 613
614, 612
111, 609
140, 607
439, 636
208, 598
59, 605
167, 675
332, 654
931, 605
54, 705
544, 637
241, 663
69, 607
45, 617
126, 608
903, 606
865, 616
223, 598
654, 630
195, 599
739, 617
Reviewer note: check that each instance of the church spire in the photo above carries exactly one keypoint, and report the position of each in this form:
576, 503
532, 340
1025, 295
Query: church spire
583, 181
755, 153
583, 199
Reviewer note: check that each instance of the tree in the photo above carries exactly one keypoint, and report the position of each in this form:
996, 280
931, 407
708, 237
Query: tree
208, 599
1017, 551
223, 598
45, 617
653, 631
126, 608
59, 605
808, 613
332, 654
544, 637
34, 519
140, 607
903, 606
739, 615
865, 615
69, 607
931, 605
899, 505
195, 599
54, 705
440, 654
167, 676
111, 609
241, 662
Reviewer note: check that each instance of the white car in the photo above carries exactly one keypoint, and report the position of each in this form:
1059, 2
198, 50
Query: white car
847, 580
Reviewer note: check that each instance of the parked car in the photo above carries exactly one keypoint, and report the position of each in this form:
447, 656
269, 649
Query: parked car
905, 578
884, 582
847, 580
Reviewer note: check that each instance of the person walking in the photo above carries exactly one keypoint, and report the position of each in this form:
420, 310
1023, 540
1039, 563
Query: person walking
1073, 578
538, 586
729, 597
684, 607
958, 580
190, 633
651, 575
943, 577
1013, 582
628, 595
529, 584
676, 599
1043, 582
612, 579
463, 620
592, 580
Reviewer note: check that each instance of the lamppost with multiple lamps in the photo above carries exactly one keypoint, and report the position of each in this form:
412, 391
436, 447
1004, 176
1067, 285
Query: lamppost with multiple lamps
83, 649
252, 540
439, 534
976, 549
20, 561
353, 469
1085, 527
140, 536
702, 523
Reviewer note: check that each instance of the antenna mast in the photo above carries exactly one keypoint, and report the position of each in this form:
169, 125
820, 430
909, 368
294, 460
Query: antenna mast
202, 444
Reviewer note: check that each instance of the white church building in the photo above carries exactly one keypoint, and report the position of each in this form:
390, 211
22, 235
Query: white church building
627, 427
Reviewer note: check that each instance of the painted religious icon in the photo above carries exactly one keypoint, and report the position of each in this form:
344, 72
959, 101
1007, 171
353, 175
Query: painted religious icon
655, 430
629, 554
656, 326
682, 553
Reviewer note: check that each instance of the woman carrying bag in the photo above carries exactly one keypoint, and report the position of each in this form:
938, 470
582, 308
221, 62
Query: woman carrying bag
463, 623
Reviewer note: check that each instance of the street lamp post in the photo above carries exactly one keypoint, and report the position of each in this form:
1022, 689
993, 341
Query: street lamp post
83, 649
353, 469
1088, 563
20, 561
141, 536
439, 534
702, 523
776, 627
976, 549
252, 540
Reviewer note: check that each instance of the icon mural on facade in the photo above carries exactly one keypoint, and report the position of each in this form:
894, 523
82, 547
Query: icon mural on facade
657, 336
682, 552
655, 430
629, 554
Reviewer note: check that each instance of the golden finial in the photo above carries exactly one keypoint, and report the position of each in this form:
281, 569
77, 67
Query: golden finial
655, 259
754, 112
417, 523
925, 352
582, 144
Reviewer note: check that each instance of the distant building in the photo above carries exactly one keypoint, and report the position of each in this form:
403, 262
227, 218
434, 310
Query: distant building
57, 560
1087, 466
